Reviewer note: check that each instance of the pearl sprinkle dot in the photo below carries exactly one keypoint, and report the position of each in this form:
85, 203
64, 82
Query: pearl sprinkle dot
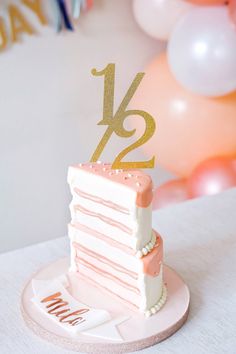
148, 248
154, 309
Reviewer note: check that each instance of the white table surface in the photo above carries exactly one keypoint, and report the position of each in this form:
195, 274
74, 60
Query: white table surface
200, 243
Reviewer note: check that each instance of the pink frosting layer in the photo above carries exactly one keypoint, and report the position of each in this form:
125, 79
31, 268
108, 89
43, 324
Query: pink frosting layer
104, 202
153, 260
105, 219
92, 281
103, 237
137, 180
108, 275
117, 267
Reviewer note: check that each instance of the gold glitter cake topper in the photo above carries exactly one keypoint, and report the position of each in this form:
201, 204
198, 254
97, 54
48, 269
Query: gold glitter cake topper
115, 122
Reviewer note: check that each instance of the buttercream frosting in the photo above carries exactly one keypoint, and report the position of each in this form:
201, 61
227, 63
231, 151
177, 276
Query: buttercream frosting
112, 241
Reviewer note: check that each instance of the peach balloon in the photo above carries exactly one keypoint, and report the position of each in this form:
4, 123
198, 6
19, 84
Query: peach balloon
169, 193
207, 2
211, 177
190, 128
232, 11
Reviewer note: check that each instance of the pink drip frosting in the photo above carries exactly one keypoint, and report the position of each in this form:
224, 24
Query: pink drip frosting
153, 260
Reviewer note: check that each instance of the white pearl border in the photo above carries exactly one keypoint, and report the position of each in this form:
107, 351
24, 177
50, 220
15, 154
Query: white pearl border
148, 248
154, 309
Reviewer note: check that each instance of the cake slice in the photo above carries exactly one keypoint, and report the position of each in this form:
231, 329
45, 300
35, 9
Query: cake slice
112, 241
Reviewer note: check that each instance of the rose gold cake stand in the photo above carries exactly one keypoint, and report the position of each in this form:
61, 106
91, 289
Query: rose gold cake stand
137, 331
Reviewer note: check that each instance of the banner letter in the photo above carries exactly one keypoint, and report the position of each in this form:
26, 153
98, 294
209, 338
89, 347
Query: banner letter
36, 7
3, 35
18, 23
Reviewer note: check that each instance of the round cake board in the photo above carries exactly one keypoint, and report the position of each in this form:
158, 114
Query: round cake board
137, 331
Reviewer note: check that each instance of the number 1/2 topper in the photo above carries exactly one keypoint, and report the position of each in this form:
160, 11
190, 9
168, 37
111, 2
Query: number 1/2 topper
115, 122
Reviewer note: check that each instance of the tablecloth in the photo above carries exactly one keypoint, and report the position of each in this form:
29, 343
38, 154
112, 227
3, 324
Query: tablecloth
200, 244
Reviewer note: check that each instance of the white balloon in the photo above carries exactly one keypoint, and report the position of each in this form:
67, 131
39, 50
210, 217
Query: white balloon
202, 51
158, 17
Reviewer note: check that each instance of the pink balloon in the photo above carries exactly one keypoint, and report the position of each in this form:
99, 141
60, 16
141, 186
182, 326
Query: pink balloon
189, 128
207, 2
212, 176
232, 11
169, 193
234, 164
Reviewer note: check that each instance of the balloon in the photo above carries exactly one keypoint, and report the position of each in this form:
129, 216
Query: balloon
232, 11
212, 176
190, 128
158, 17
207, 2
202, 51
171, 192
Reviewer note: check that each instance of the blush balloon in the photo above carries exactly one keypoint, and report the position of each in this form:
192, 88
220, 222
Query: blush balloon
232, 11
190, 128
234, 164
206, 2
171, 192
158, 17
212, 176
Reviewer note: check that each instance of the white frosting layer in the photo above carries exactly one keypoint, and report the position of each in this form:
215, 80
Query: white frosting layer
111, 285
150, 287
138, 220
126, 219
155, 308
102, 187
106, 267
103, 248
141, 232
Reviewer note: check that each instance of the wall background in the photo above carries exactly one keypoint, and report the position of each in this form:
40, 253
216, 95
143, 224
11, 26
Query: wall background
49, 107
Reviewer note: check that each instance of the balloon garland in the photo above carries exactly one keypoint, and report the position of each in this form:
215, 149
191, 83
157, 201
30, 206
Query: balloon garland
190, 128
157, 17
192, 93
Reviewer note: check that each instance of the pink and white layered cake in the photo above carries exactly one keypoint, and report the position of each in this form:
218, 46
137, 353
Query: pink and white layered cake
112, 242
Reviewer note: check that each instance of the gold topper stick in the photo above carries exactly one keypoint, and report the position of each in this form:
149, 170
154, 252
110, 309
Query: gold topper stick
115, 121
